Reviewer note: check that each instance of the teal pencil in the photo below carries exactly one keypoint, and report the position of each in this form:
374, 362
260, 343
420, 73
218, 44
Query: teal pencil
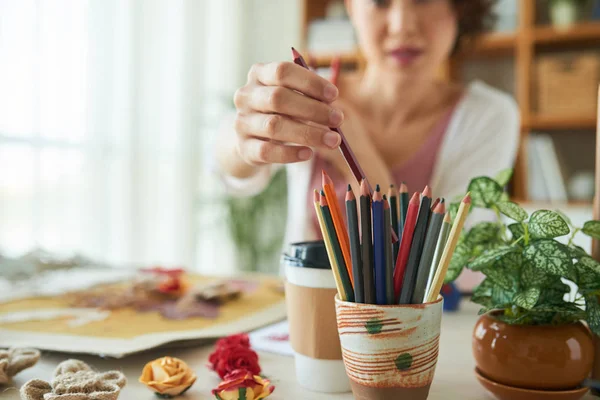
439, 249
431, 239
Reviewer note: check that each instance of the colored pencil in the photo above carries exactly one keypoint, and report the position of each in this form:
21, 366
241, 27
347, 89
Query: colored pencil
435, 203
379, 247
347, 152
439, 248
416, 248
330, 230
329, 247
457, 227
393, 197
367, 243
403, 203
407, 236
338, 221
389, 261
352, 218
433, 234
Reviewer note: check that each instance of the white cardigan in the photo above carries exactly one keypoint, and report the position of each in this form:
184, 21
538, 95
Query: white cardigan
481, 139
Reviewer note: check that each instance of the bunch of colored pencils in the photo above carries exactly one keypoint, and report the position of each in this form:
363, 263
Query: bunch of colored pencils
398, 251
367, 265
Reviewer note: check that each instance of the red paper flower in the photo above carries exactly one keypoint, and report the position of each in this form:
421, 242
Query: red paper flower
242, 385
241, 339
228, 358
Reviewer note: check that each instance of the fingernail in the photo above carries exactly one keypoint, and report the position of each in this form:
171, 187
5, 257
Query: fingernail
336, 117
331, 92
331, 139
305, 154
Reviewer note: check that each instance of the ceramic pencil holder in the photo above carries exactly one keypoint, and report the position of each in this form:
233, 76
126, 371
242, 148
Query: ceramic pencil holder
389, 351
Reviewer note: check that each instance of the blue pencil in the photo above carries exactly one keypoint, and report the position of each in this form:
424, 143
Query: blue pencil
379, 247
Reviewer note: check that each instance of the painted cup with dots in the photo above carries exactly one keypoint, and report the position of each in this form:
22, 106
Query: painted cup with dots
389, 351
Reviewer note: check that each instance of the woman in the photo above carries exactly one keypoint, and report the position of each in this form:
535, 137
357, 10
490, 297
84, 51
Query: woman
403, 123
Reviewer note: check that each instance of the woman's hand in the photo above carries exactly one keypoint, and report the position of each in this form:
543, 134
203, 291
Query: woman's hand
283, 111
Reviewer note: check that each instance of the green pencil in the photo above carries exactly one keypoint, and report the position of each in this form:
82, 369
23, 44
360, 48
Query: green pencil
337, 249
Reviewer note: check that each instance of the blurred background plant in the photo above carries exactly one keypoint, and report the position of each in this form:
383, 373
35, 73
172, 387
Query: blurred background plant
256, 226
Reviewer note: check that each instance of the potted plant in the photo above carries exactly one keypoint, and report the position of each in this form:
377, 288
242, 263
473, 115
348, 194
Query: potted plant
565, 13
534, 329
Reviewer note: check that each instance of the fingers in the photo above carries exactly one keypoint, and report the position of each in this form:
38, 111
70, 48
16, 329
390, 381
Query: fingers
279, 100
294, 77
259, 152
283, 129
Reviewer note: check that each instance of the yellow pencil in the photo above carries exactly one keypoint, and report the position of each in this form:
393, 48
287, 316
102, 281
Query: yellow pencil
329, 248
457, 227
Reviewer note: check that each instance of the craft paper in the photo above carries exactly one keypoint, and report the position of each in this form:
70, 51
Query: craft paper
125, 331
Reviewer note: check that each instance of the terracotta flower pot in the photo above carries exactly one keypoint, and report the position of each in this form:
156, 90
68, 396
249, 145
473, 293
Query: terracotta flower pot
390, 351
533, 357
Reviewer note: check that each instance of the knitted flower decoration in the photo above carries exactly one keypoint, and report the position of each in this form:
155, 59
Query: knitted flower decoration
75, 380
13, 361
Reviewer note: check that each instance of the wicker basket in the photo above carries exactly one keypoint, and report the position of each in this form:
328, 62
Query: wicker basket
568, 84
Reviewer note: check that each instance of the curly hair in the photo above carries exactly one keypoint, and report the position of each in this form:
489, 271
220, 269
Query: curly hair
474, 18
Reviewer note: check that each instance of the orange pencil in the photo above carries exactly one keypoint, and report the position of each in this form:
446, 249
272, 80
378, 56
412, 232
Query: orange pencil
338, 222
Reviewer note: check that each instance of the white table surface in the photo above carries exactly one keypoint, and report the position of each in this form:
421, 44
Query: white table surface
454, 378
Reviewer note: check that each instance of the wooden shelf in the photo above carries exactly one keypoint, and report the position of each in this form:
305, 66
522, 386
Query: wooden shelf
322, 60
560, 122
492, 43
579, 33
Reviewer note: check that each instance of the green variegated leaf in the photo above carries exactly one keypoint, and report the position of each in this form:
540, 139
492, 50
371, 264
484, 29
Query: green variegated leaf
512, 261
549, 257
592, 228
490, 257
485, 192
504, 176
483, 232
504, 277
587, 272
546, 224
502, 298
512, 210
516, 230
460, 259
504, 197
528, 298
564, 216
592, 309
563, 307
577, 251
531, 276
554, 291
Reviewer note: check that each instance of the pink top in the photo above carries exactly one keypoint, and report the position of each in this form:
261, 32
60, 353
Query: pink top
416, 172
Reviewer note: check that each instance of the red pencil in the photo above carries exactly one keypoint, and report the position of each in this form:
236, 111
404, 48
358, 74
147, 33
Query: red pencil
407, 236
347, 152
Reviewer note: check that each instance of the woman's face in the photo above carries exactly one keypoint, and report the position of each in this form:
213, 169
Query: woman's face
408, 37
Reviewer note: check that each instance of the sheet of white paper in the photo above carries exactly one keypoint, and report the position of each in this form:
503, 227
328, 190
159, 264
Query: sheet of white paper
273, 339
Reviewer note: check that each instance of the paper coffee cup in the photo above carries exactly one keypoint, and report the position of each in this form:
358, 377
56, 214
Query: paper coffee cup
310, 293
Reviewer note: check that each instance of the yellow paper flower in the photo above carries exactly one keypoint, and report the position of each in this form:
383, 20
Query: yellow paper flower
242, 385
168, 376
